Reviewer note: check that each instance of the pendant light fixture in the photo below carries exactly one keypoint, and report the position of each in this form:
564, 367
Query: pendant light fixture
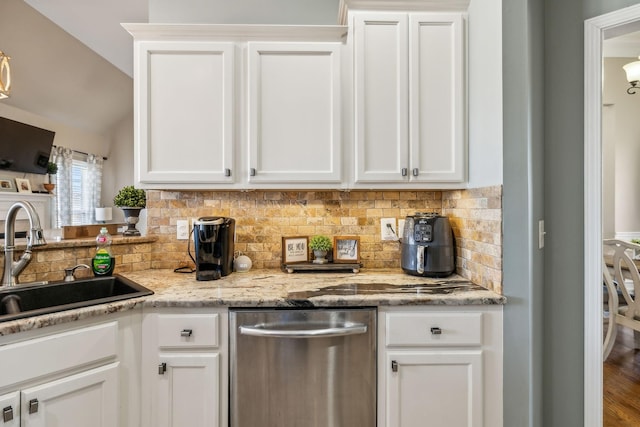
633, 75
5, 75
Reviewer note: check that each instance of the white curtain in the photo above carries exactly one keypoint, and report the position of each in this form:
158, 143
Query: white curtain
78, 186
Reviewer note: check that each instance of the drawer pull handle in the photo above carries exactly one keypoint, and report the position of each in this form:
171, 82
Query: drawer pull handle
7, 414
436, 331
162, 368
33, 406
186, 332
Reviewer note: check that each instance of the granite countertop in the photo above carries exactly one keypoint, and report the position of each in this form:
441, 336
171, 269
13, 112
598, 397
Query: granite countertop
274, 288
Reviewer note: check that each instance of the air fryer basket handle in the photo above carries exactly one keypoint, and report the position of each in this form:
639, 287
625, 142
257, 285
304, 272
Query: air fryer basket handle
420, 259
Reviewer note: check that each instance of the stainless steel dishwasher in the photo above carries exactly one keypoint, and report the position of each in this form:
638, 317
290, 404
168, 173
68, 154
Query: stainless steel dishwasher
303, 367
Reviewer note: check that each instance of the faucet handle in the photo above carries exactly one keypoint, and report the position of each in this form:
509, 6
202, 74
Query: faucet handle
69, 272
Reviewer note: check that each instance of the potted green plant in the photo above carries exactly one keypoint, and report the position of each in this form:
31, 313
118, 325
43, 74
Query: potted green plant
320, 245
131, 200
52, 169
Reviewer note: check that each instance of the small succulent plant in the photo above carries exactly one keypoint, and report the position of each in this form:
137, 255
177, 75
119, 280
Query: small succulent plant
320, 243
130, 197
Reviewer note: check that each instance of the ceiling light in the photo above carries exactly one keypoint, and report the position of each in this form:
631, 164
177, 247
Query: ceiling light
633, 75
5, 75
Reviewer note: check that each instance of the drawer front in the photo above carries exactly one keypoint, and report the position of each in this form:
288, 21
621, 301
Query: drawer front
434, 329
188, 330
59, 352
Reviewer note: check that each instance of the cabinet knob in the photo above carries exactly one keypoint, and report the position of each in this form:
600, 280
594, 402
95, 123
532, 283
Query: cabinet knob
436, 331
416, 172
227, 172
394, 366
33, 406
252, 172
186, 332
7, 414
162, 368
404, 171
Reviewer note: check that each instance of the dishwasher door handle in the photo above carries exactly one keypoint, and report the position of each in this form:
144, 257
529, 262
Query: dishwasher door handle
262, 331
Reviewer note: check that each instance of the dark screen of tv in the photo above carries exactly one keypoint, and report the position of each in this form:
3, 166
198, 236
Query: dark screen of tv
24, 148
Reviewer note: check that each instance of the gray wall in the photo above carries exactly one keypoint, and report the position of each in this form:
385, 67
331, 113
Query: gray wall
522, 208
563, 314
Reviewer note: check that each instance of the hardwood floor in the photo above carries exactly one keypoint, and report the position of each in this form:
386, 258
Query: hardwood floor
621, 382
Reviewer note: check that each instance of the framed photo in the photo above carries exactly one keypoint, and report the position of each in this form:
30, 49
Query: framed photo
23, 185
346, 249
7, 185
295, 249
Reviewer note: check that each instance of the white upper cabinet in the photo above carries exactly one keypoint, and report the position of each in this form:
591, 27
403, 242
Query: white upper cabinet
184, 92
409, 98
294, 113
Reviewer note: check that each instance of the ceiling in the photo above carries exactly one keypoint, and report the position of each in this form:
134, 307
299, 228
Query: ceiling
55, 75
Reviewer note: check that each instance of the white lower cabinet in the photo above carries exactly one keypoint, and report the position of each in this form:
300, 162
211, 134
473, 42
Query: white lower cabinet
440, 367
86, 399
10, 407
75, 375
184, 368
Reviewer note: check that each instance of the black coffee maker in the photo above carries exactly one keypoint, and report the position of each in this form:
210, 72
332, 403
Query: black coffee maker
213, 238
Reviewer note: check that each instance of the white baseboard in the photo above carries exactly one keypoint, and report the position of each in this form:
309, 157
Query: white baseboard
627, 235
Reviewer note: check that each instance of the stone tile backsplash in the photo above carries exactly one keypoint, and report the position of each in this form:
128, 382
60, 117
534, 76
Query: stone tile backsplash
264, 217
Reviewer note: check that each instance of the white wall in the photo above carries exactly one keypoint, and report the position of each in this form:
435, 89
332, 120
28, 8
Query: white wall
118, 169
485, 92
626, 162
66, 136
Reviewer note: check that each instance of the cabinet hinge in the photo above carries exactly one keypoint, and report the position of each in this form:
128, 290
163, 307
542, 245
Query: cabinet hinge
394, 366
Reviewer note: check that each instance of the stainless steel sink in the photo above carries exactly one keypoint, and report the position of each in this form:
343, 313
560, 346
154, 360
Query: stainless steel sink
32, 300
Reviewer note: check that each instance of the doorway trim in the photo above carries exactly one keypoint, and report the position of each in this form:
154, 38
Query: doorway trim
595, 30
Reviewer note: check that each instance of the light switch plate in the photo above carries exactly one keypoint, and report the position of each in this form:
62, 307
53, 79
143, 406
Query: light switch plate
541, 234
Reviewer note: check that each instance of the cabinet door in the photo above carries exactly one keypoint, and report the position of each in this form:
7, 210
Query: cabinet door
436, 98
381, 97
188, 391
434, 389
185, 109
10, 410
86, 399
294, 113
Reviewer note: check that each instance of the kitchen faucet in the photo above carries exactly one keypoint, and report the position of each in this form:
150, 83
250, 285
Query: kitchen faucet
35, 238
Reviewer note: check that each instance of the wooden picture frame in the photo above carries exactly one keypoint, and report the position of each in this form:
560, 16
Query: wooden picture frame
346, 249
7, 185
23, 185
295, 249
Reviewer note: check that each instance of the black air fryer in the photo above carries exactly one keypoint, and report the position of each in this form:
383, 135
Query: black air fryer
428, 246
213, 238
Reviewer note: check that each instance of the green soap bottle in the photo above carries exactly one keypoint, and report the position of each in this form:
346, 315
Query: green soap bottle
104, 262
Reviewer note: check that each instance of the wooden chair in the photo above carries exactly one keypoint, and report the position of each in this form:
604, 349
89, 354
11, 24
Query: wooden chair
619, 314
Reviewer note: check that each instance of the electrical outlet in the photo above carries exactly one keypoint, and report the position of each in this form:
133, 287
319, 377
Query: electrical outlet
388, 229
400, 232
182, 229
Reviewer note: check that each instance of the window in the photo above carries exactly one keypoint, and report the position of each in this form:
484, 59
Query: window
78, 184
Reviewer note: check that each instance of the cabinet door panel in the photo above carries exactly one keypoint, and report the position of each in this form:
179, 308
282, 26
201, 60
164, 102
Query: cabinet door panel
86, 399
10, 410
435, 389
294, 112
188, 392
436, 100
185, 124
381, 104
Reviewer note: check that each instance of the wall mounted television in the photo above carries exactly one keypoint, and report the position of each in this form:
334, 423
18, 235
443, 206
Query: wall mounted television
24, 148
